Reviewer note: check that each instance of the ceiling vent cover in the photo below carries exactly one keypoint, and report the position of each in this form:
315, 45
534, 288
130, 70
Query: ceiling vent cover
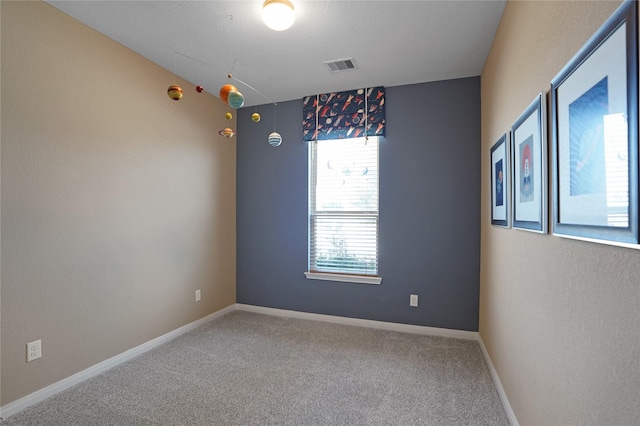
341, 65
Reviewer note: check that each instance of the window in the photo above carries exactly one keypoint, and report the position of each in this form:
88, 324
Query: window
343, 210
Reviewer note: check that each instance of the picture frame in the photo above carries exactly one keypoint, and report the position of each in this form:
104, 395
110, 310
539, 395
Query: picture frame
501, 182
529, 171
594, 109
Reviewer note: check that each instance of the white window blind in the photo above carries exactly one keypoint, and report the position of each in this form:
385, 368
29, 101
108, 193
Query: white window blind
343, 206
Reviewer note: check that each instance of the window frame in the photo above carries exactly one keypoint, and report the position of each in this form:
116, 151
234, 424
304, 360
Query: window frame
338, 276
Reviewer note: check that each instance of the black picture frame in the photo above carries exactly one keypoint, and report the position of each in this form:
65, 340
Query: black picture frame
594, 131
501, 182
529, 167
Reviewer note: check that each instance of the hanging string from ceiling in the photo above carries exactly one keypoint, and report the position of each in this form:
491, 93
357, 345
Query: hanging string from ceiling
174, 91
229, 93
275, 138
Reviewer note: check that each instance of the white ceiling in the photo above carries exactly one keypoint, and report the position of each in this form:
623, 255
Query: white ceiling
392, 42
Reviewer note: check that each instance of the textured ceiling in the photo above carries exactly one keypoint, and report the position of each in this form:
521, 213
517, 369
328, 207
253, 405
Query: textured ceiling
392, 42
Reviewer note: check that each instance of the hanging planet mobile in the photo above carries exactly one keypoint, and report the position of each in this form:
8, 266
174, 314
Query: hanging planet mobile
235, 99
275, 139
227, 133
224, 92
175, 92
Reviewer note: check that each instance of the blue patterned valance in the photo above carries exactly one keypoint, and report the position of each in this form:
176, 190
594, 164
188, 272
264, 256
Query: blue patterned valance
342, 115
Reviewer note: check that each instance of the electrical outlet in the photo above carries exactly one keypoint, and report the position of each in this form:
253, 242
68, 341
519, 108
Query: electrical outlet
413, 300
198, 295
34, 350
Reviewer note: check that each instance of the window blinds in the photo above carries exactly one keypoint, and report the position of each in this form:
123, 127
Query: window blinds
343, 206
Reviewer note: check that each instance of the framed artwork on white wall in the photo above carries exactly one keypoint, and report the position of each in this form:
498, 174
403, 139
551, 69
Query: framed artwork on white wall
529, 160
500, 182
594, 123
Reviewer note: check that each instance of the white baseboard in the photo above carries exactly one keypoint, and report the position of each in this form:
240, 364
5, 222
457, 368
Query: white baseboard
46, 392
496, 380
391, 326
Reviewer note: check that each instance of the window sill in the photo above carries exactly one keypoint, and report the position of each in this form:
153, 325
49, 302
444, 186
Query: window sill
361, 279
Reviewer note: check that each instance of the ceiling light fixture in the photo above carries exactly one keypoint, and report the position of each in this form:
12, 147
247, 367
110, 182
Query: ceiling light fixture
278, 14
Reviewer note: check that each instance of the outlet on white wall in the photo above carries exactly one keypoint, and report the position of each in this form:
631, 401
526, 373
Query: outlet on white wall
198, 296
34, 350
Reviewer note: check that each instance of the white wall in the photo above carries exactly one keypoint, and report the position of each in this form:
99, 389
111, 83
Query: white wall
559, 317
117, 202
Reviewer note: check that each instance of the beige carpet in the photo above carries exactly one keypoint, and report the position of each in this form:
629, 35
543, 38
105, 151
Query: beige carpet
251, 369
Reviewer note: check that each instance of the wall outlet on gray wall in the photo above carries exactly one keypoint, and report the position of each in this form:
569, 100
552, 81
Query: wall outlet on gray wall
34, 350
413, 300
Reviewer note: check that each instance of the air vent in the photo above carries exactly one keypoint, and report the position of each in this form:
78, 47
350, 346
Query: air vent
341, 65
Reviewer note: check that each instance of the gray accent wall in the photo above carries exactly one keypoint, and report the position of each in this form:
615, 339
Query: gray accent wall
429, 212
